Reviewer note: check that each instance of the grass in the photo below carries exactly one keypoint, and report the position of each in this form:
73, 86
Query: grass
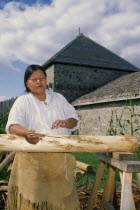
91, 159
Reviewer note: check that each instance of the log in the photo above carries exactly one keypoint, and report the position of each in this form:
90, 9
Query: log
7, 160
78, 173
83, 166
59, 143
9, 167
3, 188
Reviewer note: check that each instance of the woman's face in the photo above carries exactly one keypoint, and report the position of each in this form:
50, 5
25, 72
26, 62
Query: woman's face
37, 83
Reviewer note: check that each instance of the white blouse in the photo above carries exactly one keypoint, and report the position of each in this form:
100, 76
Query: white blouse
31, 113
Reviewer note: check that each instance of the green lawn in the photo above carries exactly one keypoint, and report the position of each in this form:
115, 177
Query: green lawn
91, 159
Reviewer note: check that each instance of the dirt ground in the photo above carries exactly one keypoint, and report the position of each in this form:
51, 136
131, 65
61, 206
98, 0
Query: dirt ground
83, 193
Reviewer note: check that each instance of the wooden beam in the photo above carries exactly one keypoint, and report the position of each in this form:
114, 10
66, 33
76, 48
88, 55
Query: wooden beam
127, 166
59, 143
124, 156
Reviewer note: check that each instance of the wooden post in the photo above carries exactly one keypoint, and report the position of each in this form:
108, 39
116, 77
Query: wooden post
131, 201
96, 185
126, 193
109, 186
89, 144
138, 179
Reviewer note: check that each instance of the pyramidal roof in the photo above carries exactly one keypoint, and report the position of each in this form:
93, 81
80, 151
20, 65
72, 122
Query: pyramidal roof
84, 51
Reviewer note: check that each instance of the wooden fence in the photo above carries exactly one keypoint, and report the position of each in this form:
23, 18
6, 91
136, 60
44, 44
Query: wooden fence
6, 105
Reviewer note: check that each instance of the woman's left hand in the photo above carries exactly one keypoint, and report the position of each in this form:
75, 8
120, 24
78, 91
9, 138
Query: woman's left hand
59, 123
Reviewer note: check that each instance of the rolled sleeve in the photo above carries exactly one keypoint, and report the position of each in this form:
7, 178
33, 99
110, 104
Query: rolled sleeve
16, 115
70, 112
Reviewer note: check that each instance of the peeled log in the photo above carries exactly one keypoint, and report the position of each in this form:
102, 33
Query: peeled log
78, 173
91, 144
3, 188
83, 166
7, 160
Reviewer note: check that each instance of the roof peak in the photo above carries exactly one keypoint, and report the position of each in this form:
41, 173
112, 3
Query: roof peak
84, 51
81, 34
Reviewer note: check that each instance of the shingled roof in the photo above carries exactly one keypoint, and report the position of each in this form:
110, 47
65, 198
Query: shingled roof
84, 51
123, 88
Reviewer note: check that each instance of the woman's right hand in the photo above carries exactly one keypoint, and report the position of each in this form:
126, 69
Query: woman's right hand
21, 131
32, 139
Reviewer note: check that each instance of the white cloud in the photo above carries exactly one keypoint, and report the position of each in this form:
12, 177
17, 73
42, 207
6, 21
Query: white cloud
132, 52
32, 34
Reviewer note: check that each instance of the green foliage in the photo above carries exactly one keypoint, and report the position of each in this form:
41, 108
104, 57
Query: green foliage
4, 175
118, 125
3, 121
76, 132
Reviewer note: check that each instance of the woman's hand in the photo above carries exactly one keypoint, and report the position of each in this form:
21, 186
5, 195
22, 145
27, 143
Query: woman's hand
68, 123
32, 139
59, 123
21, 131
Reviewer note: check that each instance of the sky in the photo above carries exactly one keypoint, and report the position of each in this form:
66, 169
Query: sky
31, 31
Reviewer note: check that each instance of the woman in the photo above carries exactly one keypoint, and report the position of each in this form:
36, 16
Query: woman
41, 180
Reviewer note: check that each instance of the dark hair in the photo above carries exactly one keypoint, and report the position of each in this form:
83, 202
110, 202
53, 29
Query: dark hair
30, 69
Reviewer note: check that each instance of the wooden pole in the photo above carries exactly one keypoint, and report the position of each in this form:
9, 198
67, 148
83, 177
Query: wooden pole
126, 192
78, 172
7, 160
3, 188
83, 166
109, 184
96, 185
91, 144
